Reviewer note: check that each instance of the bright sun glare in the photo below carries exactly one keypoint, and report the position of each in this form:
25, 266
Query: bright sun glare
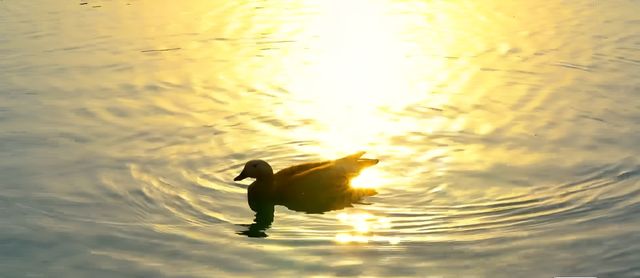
368, 178
359, 73
364, 226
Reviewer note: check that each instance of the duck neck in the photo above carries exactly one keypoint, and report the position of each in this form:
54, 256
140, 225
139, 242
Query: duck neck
266, 175
266, 179
260, 193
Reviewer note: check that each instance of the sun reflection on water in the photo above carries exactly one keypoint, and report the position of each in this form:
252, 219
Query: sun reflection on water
360, 75
368, 178
359, 71
364, 226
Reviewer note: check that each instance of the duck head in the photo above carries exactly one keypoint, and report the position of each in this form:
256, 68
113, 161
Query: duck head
257, 169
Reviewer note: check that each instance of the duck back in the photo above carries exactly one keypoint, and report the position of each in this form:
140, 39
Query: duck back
321, 186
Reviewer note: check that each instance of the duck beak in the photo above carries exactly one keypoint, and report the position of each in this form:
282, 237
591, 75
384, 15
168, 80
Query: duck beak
240, 177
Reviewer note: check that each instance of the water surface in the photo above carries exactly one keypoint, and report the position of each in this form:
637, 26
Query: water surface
508, 135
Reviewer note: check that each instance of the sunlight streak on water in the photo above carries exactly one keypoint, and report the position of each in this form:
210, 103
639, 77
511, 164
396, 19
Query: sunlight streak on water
369, 178
360, 70
364, 228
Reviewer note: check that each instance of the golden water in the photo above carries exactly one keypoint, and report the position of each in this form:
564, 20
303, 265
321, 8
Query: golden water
508, 134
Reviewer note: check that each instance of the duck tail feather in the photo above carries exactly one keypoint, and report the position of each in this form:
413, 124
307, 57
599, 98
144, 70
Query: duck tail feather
354, 156
366, 162
360, 193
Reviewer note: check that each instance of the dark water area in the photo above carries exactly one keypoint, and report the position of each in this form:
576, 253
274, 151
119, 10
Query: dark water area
508, 135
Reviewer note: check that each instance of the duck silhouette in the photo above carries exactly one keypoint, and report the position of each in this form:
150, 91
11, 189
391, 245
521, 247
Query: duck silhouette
314, 187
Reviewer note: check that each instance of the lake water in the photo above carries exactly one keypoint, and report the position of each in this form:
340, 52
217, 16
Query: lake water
508, 134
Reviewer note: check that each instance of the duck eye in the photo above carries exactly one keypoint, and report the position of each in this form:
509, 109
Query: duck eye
255, 165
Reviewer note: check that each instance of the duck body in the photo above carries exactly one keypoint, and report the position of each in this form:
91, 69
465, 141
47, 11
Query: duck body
311, 187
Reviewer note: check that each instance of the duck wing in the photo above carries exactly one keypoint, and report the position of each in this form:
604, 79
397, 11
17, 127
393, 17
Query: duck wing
322, 186
297, 169
320, 189
352, 164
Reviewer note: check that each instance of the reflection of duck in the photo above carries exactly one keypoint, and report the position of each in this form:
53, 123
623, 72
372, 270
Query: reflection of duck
311, 187
260, 224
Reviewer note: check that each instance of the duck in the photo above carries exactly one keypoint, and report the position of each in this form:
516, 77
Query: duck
313, 187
